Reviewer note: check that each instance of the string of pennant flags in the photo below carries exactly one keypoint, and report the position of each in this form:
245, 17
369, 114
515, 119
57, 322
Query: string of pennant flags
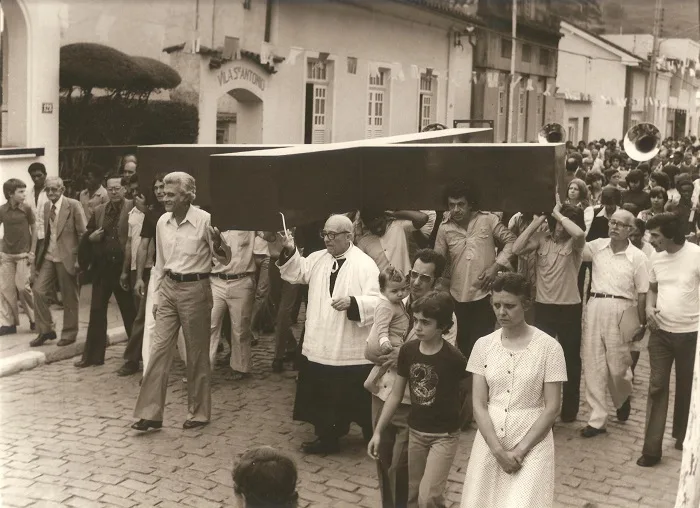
491, 78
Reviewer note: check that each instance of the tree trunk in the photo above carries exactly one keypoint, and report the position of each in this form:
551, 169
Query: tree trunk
689, 484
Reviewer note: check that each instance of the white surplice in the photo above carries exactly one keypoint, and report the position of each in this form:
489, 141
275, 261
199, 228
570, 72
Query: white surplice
330, 337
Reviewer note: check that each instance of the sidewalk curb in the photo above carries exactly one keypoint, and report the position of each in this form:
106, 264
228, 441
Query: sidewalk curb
31, 359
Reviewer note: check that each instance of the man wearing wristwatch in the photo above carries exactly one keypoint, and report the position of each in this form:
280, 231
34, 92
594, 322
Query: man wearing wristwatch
620, 277
182, 298
672, 314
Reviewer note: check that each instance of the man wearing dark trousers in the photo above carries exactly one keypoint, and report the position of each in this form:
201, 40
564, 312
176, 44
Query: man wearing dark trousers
107, 232
559, 253
672, 314
468, 238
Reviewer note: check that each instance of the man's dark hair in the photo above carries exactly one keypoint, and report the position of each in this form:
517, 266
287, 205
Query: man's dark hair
611, 195
114, 176
431, 256
609, 173
513, 283
94, 170
575, 214
644, 167
592, 176
437, 305
36, 166
11, 185
671, 171
661, 179
460, 189
670, 225
635, 176
631, 208
640, 225
266, 478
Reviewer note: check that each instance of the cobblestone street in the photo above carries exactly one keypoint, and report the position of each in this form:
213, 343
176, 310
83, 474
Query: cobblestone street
66, 441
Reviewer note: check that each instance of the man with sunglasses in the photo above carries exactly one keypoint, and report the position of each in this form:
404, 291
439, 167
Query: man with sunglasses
392, 463
620, 278
343, 292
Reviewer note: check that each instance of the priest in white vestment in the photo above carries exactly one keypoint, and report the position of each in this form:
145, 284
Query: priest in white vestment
343, 292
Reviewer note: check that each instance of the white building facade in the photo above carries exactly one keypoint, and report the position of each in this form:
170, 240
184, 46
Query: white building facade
330, 71
593, 77
676, 103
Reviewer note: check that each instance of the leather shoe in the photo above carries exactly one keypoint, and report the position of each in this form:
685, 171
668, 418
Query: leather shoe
589, 431
624, 412
318, 447
144, 425
128, 369
192, 424
81, 364
43, 337
647, 461
65, 342
8, 330
277, 366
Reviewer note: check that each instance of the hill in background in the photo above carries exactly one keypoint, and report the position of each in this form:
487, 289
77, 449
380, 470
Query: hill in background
637, 16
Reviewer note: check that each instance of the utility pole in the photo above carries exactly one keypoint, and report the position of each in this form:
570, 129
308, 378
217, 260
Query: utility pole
511, 102
651, 86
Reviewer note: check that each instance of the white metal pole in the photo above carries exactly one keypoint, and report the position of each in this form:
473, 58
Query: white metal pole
511, 88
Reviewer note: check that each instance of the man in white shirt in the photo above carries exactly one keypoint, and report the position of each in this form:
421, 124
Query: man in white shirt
672, 314
37, 200
185, 245
620, 277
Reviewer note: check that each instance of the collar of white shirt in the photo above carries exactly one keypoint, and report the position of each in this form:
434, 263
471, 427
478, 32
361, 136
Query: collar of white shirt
629, 251
191, 216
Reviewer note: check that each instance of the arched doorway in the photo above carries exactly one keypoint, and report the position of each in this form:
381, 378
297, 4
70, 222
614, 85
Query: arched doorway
239, 118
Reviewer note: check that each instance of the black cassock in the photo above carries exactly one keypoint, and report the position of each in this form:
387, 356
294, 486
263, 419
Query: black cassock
331, 397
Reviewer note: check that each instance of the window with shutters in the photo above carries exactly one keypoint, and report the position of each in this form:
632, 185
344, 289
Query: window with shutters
377, 104
427, 102
318, 101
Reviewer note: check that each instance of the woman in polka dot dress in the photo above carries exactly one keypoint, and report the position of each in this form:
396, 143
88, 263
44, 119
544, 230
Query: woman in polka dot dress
518, 373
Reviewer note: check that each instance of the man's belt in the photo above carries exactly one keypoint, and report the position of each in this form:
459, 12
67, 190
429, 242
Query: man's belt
187, 277
227, 276
603, 295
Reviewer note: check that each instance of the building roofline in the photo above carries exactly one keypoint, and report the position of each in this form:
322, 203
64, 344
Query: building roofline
444, 7
602, 42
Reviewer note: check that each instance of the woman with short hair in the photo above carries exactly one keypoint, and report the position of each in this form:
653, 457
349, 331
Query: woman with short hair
518, 373
659, 198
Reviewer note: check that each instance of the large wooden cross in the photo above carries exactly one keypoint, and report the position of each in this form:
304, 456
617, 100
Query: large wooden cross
246, 186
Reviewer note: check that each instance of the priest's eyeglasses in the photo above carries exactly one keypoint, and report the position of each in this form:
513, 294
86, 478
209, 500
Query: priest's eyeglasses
331, 234
420, 276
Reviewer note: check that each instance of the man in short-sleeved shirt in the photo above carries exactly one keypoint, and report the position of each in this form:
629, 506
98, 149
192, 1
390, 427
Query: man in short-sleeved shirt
620, 277
672, 310
17, 256
558, 302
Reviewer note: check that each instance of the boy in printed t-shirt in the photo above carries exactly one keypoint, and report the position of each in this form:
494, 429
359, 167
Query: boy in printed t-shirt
432, 368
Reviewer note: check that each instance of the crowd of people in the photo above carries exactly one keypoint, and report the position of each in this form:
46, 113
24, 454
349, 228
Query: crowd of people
419, 324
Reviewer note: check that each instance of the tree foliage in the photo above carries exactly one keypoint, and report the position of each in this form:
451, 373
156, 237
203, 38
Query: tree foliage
86, 66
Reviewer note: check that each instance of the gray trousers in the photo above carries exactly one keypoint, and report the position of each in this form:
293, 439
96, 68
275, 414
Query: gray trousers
43, 288
187, 305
